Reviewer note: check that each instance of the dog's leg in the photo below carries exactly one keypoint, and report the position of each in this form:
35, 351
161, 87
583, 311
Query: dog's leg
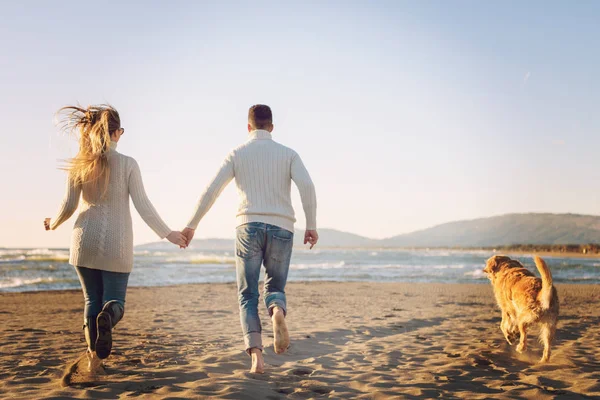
513, 330
523, 341
505, 327
547, 336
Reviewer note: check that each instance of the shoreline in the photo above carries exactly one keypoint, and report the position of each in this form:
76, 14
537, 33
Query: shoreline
293, 282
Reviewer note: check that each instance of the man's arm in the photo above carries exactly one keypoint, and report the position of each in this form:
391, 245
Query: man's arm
306, 187
210, 195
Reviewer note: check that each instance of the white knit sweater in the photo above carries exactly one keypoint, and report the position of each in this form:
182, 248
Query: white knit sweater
102, 236
263, 170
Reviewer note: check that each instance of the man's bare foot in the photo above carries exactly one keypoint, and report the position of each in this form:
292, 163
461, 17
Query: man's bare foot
258, 363
280, 331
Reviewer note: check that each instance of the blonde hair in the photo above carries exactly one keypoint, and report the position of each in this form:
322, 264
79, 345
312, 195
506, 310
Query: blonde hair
90, 168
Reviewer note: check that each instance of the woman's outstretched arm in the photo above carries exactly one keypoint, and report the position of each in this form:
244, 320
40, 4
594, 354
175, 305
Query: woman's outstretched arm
69, 204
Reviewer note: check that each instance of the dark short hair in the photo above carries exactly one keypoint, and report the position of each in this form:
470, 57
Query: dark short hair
260, 116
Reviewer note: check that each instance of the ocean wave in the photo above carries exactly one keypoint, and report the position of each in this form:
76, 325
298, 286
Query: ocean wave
148, 253
13, 260
337, 265
202, 260
223, 260
36, 255
49, 259
29, 267
445, 266
478, 273
16, 282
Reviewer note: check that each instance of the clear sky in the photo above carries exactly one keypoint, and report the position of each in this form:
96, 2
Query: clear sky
407, 114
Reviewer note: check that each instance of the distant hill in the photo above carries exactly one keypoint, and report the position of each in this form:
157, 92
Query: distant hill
503, 230
335, 238
200, 244
327, 238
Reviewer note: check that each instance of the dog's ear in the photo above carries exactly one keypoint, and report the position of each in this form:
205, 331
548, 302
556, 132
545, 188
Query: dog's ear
493, 264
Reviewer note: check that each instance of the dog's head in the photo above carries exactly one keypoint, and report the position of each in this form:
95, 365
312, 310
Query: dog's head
494, 264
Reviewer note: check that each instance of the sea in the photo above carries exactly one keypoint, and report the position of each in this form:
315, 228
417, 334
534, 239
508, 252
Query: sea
24, 270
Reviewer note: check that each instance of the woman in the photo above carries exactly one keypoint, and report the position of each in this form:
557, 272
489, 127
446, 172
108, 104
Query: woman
102, 239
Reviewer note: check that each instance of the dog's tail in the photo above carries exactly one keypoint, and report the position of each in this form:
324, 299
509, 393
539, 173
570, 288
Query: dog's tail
547, 289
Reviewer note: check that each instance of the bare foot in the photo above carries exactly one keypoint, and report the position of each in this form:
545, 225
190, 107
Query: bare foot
280, 331
258, 363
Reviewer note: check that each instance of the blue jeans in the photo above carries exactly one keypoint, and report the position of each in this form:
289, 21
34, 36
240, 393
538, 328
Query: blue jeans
100, 287
257, 243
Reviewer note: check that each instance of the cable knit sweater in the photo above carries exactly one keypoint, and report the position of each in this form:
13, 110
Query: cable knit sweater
102, 236
263, 170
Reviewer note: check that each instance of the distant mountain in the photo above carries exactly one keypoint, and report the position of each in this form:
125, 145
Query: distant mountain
503, 230
335, 238
199, 244
327, 238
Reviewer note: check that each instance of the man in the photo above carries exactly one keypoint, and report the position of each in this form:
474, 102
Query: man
263, 170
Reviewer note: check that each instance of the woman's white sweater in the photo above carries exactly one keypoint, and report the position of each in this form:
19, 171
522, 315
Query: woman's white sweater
103, 236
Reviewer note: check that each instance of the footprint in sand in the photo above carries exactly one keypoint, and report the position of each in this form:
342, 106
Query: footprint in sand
143, 390
33, 330
301, 371
286, 390
37, 380
321, 390
482, 362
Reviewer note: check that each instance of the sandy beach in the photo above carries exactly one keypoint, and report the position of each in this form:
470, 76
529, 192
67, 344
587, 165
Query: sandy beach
349, 340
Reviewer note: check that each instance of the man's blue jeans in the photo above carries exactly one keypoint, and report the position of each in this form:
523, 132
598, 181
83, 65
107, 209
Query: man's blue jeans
100, 287
258, 243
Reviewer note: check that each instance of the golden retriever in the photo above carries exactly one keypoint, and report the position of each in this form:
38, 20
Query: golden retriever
524, 300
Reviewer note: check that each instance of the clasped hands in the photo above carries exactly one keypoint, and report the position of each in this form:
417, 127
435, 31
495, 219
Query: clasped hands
181, 239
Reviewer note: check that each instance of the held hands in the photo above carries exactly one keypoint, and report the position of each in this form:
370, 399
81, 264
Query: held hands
311, 237
177, 238
47, 223
189, 234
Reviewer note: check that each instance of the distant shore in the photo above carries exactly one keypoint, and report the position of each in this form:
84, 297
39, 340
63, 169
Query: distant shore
556, 254
562, 251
